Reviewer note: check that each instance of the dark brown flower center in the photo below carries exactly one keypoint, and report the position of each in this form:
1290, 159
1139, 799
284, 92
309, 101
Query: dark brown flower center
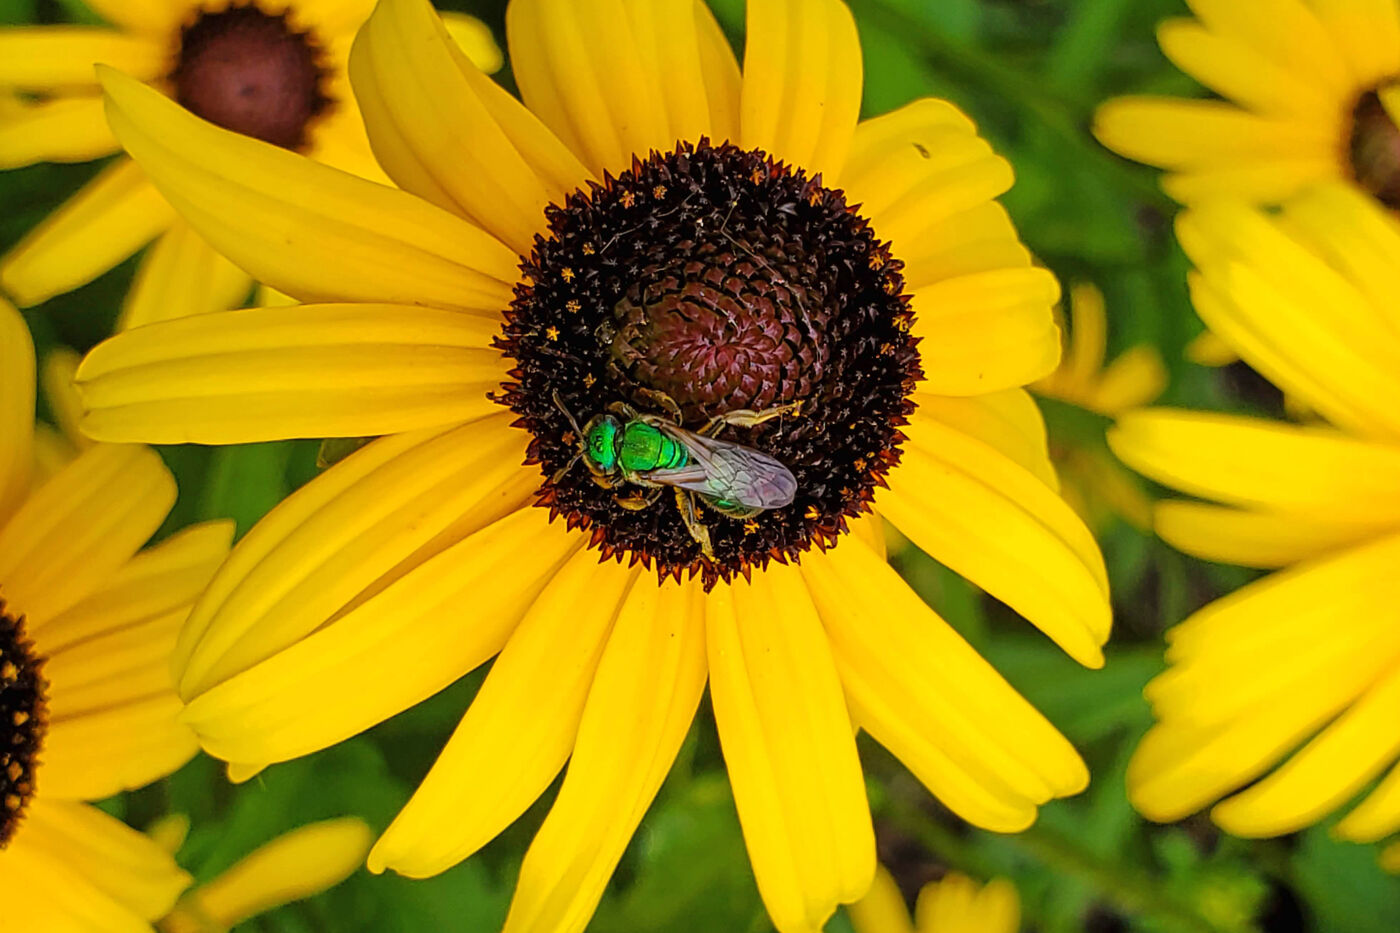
1374, 148
718, 280
249, 72
23, 720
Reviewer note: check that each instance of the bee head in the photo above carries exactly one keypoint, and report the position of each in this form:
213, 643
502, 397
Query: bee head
601, 437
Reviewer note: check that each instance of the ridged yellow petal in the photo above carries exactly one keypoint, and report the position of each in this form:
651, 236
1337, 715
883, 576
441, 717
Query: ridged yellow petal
371, 517
81, 526
1366, 33
802, 83
520, 728
988, 518
351, 370
1378, 815
442, 619
50, 59
988, 331
296, 864
307, 229
924, 693
789, 749
882, 909
1009, 421
1255, 539
639, 709
451, 135
957, 904
1310, 471
117, 748
181, 275
1242, 74
63, 130
110, 218
17, 367
1285, 31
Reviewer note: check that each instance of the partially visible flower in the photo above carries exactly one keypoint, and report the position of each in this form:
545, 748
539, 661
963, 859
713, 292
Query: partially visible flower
87, 627
956, 904
659, 236
296, 865
1284, 693
272, 69
1091, 479
1311, 93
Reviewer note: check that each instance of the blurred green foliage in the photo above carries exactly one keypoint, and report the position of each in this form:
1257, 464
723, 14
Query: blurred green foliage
1030, 72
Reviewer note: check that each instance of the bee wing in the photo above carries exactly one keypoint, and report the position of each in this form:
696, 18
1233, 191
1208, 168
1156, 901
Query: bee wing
725, 470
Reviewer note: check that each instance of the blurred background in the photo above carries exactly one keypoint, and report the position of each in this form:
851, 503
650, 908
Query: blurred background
1030, 72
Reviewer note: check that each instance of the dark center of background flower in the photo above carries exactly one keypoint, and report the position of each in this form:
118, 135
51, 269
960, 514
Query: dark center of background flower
23, 720
247, 71
721, 280
1374, 149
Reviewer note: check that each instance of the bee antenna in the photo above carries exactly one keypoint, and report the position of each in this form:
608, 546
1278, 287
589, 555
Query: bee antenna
566, 468
559, 403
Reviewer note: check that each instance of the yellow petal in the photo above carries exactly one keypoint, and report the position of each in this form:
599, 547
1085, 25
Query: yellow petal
475, 39
1390, 858
882, 910
384, 507
295, 865
98, 754
1258, 181
145, 16
1135, 378
1257, 672
1187, 134
924, 693
108, 856
616, 78
63, 130
1255, 539
110, 218
1242, 74
989, 519
309, 230
789, 749
1367, 35
1312, 471
82, 525
639, 709
925, 180
1285, 31
42, 893
1008, 421
1325, 773
1378, 815
16, 409
1260, 288
988, 331
352, 370
1207, 349
957, 904
62, 396
442, 619
451, 135
520, 728
802, 83
157, 581
53, 59
181, 275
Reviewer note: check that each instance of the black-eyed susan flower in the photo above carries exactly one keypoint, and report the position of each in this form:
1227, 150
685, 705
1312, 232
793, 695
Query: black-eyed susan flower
653, 227
1310, 91
954, 904
1288, 687
1093, 482
272, 69
297, 864
87, 706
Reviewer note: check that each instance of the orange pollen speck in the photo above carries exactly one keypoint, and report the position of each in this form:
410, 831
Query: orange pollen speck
628, 199
552, 333
566, 274
588, 249
572, 305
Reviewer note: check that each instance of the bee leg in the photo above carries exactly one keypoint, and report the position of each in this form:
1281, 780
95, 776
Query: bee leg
748, 418
640, 500
686, 503
559, 473
662, 401
626, 411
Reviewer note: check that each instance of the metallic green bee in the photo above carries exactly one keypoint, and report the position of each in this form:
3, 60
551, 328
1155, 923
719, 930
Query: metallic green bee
655, 453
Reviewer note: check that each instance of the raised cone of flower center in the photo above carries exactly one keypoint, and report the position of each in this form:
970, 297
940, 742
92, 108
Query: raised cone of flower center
706, 281
23, 718
1374, 146
247, 71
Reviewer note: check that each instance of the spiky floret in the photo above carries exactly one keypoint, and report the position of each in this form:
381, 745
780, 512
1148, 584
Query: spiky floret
724, 280
23, 720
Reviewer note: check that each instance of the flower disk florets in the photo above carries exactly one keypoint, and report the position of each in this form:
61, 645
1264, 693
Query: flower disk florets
23, 720
720, 280
250, 72
1374, 149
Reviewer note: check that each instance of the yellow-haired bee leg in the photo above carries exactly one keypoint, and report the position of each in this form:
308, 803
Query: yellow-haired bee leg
685, 501
748, 418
